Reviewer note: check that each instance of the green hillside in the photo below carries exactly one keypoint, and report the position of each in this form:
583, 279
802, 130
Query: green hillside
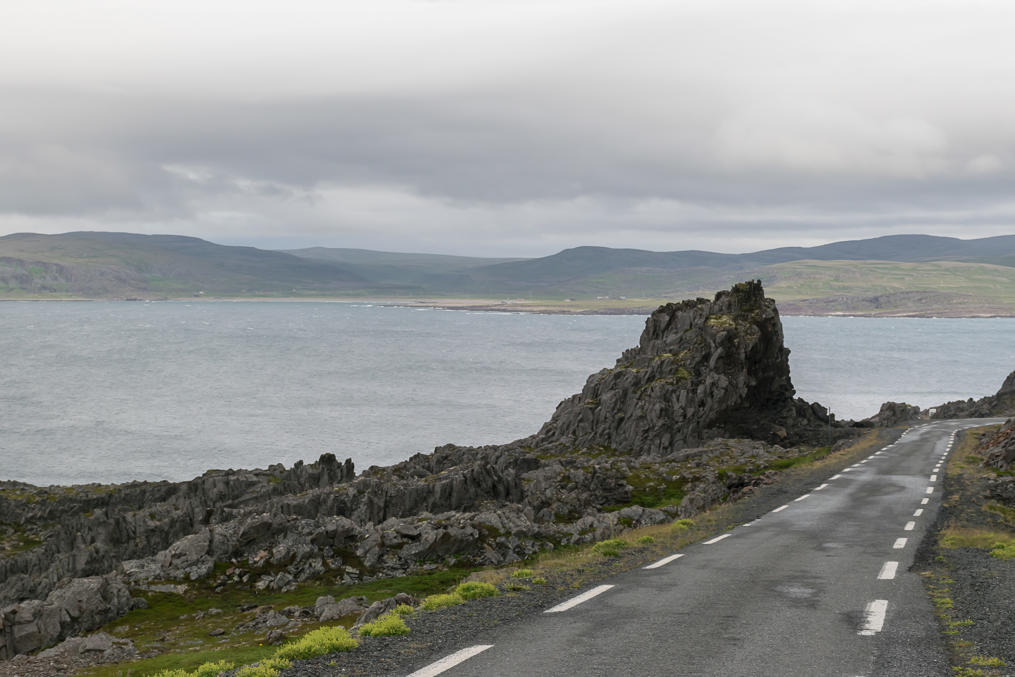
895, 275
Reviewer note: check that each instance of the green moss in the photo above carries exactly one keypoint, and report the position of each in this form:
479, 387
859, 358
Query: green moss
475, 590
388, 625
441, 601
270, 667
721, 321
650, 490
317, 643
610, 547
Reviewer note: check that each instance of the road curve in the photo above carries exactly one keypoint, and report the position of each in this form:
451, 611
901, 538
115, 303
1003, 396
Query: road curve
819, 586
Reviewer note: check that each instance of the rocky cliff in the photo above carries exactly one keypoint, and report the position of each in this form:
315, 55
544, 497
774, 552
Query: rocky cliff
1001, 403
699, 412
702, 369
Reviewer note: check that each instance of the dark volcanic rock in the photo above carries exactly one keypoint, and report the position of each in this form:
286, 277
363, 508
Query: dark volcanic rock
998, 451
639, 446
1001, 403
894, 413
703, 369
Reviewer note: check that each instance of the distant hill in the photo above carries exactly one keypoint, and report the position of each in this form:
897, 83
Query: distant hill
119, 265
892, 275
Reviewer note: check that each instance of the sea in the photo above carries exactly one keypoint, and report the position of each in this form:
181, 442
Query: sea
122, 391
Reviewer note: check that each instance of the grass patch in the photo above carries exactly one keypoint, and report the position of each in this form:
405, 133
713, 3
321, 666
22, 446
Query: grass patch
610, 547
441, 601
953, 537
317, 643
475, 590
388, 625
269, 667
522, 573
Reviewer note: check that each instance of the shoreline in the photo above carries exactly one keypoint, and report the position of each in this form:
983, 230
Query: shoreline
533, 307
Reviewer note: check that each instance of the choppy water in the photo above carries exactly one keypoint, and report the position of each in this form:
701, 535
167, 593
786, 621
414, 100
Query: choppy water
120, 391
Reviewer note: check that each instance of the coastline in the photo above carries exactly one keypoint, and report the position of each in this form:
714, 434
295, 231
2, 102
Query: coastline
530, 306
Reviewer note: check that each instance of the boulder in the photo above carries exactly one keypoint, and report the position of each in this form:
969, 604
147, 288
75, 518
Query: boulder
702, 369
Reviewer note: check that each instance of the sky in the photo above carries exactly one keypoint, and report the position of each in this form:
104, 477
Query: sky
508, 127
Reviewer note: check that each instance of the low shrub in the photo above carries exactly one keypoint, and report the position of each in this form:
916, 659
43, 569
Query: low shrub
475, 590
645, 540
387, 625
434, 602
539, 580
317, 643
522, 573
403, 610
610, 547
203, 670
1004, 550
269, 667
683, 525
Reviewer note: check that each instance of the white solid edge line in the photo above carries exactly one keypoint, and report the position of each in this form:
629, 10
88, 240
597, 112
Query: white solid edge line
664, 561
820, 488
924, 501
717, 539
874, 617
888, 570
909, 526
900, 543
451, 661
575, 601
781, 508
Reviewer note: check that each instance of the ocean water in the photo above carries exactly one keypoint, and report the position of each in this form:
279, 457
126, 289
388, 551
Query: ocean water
112, 392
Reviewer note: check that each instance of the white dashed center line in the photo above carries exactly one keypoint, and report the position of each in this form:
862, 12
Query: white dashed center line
900, 543
930, 490
924, 501
820, 488
451, 661
887, 572
802, 497
909, 526
664, 561
717, 539
919, 511
781, 508
575, 601
874, 617
933, 478
835, 477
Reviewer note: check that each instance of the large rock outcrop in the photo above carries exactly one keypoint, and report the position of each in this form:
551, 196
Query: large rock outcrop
998, 450
640, 445
1001, 403
703, 369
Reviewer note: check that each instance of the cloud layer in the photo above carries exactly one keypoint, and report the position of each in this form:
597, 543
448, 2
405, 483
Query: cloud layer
508, 128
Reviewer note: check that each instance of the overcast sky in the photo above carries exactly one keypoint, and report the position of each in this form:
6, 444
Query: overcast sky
508, 127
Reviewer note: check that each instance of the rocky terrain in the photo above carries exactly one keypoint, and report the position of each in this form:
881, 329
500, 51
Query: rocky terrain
1001, 403
700, 412
969, 561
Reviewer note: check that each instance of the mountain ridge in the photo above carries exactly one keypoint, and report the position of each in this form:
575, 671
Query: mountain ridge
893, 274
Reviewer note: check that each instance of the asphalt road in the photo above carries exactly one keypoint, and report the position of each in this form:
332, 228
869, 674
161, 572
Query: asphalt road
820, 586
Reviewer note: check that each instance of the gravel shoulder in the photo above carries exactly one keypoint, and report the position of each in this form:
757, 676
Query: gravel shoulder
973, 591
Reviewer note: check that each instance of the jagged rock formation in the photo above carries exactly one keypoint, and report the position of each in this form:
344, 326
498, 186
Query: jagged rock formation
998, 451
83, 604
892, 414
1001, 403
703, 369
640, 445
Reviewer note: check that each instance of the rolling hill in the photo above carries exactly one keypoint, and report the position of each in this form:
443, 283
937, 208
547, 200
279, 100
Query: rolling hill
892, 275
